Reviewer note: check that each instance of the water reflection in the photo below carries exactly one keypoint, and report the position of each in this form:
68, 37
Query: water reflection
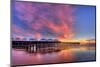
21, 57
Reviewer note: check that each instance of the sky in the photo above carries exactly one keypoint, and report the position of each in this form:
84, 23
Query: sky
48, 20
85, 22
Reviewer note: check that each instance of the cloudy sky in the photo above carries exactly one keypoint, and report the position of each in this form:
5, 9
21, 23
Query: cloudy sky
49, 20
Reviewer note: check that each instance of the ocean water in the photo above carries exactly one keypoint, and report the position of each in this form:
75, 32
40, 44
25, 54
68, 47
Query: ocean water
21, 57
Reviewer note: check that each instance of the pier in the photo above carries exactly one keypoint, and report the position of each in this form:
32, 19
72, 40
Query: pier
43, 46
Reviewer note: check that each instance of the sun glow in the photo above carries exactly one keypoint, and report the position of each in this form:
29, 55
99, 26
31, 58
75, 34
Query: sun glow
65, 40
81, 41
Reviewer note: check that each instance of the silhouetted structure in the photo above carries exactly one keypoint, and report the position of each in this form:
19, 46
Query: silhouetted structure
43, 46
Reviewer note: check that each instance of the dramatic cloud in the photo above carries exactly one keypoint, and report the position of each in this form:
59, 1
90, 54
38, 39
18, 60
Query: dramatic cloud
43, 20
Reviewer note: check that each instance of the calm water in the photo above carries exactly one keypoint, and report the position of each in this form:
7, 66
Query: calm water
21, 57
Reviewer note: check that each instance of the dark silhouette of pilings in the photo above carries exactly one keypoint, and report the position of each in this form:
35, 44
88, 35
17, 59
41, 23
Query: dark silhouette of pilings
42, 46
